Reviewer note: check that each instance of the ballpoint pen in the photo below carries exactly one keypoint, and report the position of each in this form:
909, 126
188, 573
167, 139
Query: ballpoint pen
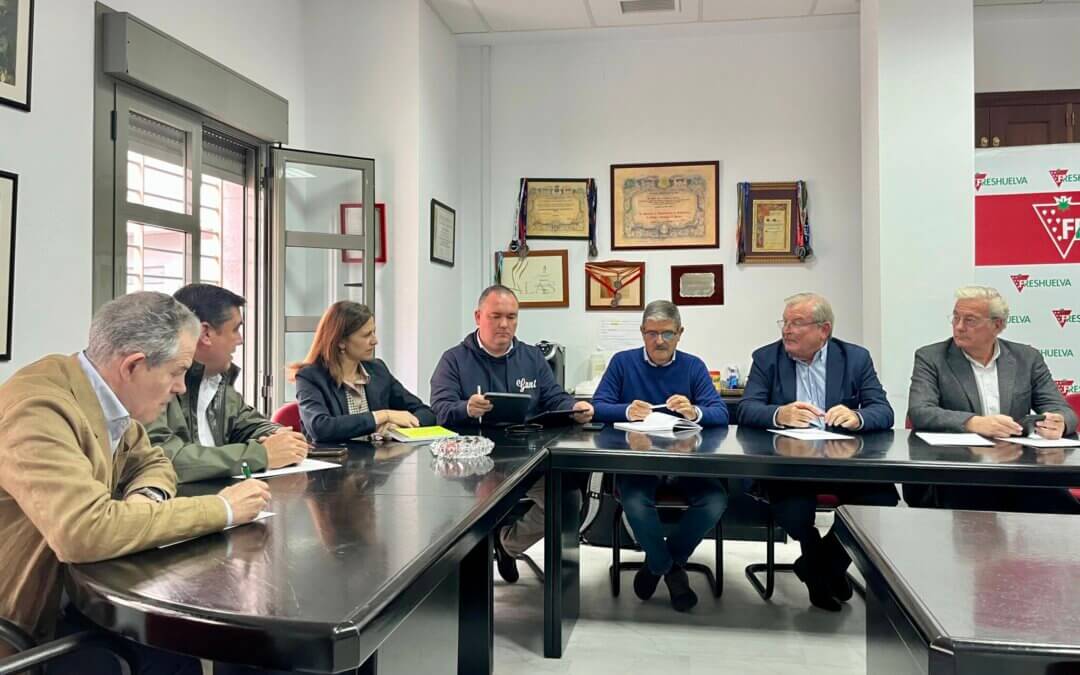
480, 391
245, 469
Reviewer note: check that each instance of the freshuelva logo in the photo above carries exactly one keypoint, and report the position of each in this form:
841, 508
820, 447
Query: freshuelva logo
1060, 223
1063, 316
1059, 176
1067, 387
979, 178
1019, 280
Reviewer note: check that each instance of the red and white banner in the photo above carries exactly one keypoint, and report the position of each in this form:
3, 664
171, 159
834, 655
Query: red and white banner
1027, 245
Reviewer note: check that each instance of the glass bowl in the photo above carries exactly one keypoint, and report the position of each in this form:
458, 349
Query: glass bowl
462, 447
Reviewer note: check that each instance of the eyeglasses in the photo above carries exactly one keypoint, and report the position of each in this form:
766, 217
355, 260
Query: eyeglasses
666, 336
968, 321
797, 325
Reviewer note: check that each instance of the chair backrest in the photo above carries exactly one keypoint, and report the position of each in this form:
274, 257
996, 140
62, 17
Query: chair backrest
1074, 401
288, 415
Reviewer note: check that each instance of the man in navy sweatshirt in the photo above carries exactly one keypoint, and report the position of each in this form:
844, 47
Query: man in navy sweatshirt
491, 359
634, 382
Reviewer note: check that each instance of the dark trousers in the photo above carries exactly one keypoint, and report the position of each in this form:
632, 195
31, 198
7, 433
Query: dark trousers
706, 500
984, 498
94, 661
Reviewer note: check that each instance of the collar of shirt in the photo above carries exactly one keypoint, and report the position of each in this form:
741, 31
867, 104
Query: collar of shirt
362, 379
820, 356
488, 351
645, 353
993, 359
117, 418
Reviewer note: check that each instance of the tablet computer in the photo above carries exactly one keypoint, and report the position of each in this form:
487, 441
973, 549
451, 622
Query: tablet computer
554, 418
509, 408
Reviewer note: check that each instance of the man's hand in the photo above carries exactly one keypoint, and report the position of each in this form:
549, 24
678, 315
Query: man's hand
385, 429
682, 405
798, 414
402, 418
638, 411
246, 499
842, 416
993, 426
284, 449
584, 412
1051, 428
478, 406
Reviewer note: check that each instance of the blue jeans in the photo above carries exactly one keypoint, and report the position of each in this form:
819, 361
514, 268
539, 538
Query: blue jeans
706, 498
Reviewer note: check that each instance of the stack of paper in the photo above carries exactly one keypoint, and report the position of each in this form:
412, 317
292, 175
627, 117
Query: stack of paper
421, 434
658, 423
953, 439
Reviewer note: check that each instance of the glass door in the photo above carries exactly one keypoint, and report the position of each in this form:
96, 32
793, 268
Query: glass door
324, 242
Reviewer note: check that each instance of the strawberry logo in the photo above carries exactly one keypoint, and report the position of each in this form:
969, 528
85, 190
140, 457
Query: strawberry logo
1059, 176
1062, 316
979, 178
1019, 280
1064, 385
1060, 223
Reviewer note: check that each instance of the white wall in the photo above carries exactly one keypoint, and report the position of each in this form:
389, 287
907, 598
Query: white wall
1027, 48
50, 147
772, 100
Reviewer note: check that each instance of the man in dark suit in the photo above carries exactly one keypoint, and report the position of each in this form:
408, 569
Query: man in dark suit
810, 379
976, 382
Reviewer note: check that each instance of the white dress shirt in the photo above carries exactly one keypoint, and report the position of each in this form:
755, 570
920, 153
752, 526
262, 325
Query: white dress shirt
986, 379
207, 389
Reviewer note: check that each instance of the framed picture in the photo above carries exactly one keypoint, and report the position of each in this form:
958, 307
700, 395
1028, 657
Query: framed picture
773, 224
697, 284
614, 285
558, 208
669, 205
9, 193
352, 222
443, 224
16, 50
540, 279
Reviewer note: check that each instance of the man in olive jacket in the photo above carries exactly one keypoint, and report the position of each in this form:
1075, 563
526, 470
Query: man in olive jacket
208, 430
80, 481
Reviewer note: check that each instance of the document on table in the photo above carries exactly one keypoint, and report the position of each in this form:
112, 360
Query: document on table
262, 515
953, 439
306, 465
1043, 442
810, 434
659, 423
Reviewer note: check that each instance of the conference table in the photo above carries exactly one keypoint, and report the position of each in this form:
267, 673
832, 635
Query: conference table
886, 456
967, 592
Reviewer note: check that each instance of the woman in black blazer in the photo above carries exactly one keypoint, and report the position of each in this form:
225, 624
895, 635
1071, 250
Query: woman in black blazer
346, 393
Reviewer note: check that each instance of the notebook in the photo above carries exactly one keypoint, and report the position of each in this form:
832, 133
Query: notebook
659, 423
421, 434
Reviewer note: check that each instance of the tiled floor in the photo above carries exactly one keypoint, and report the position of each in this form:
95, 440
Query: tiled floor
737, 633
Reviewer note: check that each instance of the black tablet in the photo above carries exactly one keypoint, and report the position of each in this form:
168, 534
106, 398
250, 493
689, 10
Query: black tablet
554, 418
509, 408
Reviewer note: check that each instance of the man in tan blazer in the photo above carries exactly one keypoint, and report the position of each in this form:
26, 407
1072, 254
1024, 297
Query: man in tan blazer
79, 481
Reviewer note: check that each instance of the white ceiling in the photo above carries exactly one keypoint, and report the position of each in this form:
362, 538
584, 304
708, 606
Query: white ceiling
494, 16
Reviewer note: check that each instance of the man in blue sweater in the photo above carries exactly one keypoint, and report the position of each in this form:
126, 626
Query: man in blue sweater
634, 382
491, 359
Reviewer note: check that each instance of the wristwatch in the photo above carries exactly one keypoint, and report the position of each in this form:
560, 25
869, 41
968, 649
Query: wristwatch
151, 492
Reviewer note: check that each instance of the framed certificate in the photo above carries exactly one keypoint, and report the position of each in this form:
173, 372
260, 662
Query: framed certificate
557, 208
16, 52
540, 279
352, 222
443, 225
614, 285
773, 226
697, 284
669, 205
9, 191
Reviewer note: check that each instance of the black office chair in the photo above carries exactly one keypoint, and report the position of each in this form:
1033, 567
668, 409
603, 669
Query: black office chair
30, 656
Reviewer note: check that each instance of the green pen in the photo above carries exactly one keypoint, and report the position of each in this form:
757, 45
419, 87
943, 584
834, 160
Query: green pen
246, 469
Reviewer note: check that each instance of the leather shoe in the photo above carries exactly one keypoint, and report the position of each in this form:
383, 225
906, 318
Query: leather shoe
505, 562
820, 594
683, 597
645, 583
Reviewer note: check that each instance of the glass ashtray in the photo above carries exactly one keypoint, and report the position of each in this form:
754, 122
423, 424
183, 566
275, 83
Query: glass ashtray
462, 468
462, 447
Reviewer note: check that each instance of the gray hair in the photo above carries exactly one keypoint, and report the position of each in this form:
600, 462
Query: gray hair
146, 322
495, 288
999, 309
820, 309
661, 310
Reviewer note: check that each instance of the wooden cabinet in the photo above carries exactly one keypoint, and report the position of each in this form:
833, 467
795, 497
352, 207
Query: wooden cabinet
1007, 119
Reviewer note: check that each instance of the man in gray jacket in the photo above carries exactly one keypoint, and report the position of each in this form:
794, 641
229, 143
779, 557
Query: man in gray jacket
976, 382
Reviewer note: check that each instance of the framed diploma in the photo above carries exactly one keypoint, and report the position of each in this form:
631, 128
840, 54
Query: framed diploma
697, 284
665, 205
9, 189
558, 208
615, 285
16, 50
540, 279
773, 225
443, 224
352, 222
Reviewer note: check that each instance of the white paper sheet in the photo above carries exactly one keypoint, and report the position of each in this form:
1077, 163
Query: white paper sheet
619, 334
262, 515
306, 465
953, 439
659, 423
810, 434
1044, 442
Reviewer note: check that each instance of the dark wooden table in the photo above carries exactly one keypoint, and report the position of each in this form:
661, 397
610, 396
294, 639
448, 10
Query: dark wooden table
887, 456
357, 567
967, 592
